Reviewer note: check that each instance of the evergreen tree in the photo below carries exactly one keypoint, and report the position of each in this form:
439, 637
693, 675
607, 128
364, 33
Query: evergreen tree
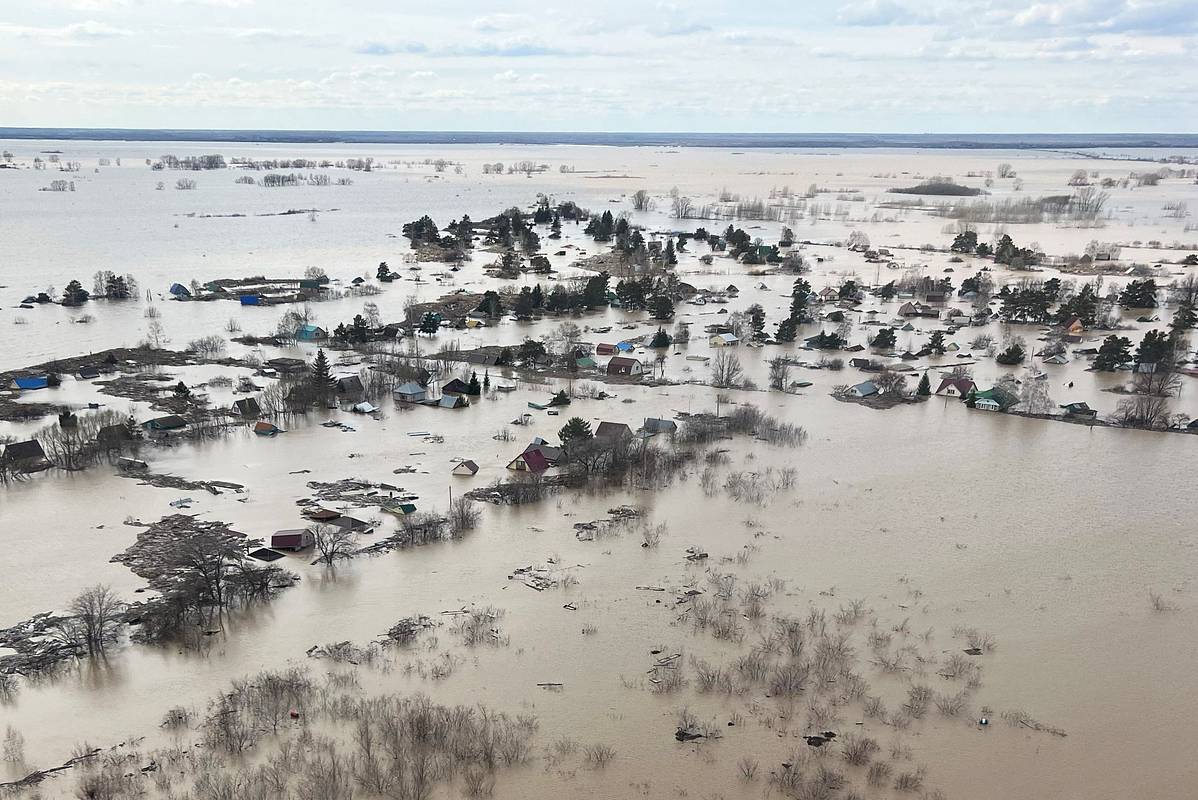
321, 375
1115, 351
936, 345
538, 298
524, 307
884, 340
359, 332
786, 330
925, 386
1139, 294
576, 429
671, 257
474, 388
1154, 348
660, 339
661, 307
757, 320
800, 297
429, 324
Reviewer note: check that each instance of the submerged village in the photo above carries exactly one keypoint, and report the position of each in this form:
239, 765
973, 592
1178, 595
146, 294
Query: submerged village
611, 455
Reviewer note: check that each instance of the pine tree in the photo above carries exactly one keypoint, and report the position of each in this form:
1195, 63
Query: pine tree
321, 374
925, 386
474, 389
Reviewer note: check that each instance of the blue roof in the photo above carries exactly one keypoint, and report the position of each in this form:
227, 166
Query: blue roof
179, 289
624, 347
40, 382
249, 299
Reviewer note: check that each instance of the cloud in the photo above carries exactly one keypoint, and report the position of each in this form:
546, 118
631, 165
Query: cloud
76, 33
422, 74
518, 47
753, 38
391, 49
498, 22
277, 35
680, 29
876, 13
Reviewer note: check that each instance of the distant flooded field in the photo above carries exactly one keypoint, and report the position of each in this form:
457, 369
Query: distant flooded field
976, 605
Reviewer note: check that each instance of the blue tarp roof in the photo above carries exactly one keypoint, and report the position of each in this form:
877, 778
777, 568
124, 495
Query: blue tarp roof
249, 300
179, 290
40, 382
624, 347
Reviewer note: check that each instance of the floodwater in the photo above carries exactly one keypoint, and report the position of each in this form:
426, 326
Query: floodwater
1048, 536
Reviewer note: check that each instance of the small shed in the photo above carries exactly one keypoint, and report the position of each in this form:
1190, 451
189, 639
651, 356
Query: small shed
179, 290
453, 401
263, 428
292, 539
410, 392
87, 373
724, 340
465, 468
32, 382
605, 349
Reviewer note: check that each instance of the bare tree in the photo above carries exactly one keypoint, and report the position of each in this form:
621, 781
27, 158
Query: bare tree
681, 207
1142, 412
333, 543
890, 382
726, 370
779, 372
98, 612
641, 200
1162, 383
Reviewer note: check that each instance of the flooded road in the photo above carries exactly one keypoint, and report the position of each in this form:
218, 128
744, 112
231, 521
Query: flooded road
1047, 536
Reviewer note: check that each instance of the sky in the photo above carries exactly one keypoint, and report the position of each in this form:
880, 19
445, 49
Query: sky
936, 66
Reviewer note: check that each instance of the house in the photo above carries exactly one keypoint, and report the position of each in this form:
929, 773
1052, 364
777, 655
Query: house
322, 514
865, 364
262, 428
453, 401
410, 392
292, 539
586, 362
113, 435
32, 382
613, 431
179, 291
364, 408
552, 454
653, 425
26, 456
1074, 326
88, 373
247, 407
350, 384
311, 333
1079, 411
287, 366
732, 290
866, 389
455, 387
996, 399
465, 468
351, 524
828, 293
604, 349
623, 365
955, 387
531, 460
1058, 358
171, 422
723, 340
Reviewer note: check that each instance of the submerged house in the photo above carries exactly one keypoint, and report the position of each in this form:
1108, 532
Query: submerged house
1079, 411
465, 468
531, 460
350, 384
247, 407
410, 392
654, 425
179, 291
996, 399
87, 373
613, 431
864, 389
171, 422
32, 382
623, 365
453, 401
292, 539
723, 340
26, 456
457, 386
311, 333
955, 387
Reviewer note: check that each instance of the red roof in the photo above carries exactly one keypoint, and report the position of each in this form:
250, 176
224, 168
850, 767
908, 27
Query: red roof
534, 460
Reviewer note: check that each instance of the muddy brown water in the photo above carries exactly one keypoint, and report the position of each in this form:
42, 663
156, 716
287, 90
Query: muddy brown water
1048, 536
